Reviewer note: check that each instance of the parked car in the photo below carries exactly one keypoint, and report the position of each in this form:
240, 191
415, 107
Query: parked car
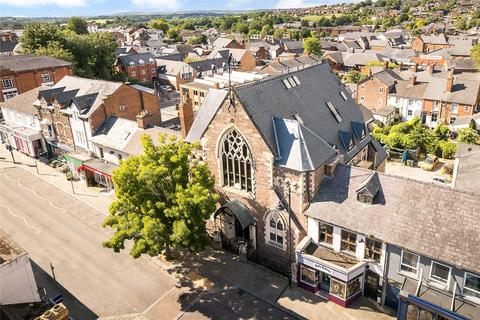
166, 88
429, 163
441, 180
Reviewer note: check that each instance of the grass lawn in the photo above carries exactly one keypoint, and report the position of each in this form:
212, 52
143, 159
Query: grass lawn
315, 17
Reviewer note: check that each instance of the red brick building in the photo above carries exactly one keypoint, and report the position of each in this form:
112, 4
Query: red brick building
22, 73
140, 66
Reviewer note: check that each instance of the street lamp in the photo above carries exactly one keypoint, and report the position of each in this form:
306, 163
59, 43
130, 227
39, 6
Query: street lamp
289, 186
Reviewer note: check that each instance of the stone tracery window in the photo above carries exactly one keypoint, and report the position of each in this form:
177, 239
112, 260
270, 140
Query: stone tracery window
236, 162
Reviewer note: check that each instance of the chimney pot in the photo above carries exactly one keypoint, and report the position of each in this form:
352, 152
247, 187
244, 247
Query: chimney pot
413, 80
449, 83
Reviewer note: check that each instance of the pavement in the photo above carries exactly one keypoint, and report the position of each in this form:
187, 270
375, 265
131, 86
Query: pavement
416, 173
313, 307
59, 226
57, 229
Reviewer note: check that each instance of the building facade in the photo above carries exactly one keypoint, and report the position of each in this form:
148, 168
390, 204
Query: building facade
21, 73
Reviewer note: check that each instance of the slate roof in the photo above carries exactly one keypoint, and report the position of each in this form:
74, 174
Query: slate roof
435, 39
352, 59
7, 46
463, 91
94, 90
269, 98
432, 220
381, 154
134, 145
19, 63
210, 105
221, 42
135, 58
299, 148
405, 89
23, 102
206, 65
84, 103
115, 133
387, 77
468, 170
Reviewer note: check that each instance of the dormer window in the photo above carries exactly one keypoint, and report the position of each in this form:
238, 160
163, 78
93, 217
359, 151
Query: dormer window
368, 189
359, 130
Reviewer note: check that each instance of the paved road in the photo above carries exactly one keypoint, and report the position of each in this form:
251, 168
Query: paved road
54, 227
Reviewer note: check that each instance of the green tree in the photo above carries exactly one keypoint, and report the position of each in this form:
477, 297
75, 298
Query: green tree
461, 23
311, 45
164, 198
468, 135
475, 54
77, 25
159, 24
37, 35
448, 149
55, 49
354, 76
441, 132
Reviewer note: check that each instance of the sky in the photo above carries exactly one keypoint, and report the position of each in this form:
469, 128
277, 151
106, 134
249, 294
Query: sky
65, 8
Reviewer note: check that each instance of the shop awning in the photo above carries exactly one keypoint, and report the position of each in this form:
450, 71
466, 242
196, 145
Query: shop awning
75, 159
239, 210
101, 167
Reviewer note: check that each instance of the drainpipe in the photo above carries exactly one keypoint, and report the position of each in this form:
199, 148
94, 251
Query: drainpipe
385, 275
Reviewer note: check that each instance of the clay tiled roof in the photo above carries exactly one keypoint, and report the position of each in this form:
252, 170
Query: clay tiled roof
435, 221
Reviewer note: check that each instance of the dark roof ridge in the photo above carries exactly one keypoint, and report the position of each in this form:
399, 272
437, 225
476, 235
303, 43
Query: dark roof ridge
412, 180
275, 77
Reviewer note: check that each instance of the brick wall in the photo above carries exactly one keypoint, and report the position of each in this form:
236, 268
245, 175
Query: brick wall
25, 81
417, 44
263, 198
126, 102
247, 63
370, 91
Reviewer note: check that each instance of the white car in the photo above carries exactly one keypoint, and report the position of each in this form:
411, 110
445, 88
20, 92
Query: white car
441, 180
166, 88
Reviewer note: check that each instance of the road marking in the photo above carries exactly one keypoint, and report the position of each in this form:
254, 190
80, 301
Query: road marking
36, 194
158, 300
128, 304
21, 218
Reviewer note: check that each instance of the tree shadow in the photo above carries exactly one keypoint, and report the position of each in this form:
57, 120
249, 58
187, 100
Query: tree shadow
76, 309
221, 287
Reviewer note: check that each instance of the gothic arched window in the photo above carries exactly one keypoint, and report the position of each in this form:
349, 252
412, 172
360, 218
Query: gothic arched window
275, 229
236, 162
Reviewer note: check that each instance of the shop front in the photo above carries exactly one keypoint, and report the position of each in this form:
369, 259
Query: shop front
333, 274
56, 150
74, 161
25, 140
98, 173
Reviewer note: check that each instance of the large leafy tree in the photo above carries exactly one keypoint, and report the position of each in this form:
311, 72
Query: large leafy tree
311, 45
77, 25
92, 54
164, 199
159, 24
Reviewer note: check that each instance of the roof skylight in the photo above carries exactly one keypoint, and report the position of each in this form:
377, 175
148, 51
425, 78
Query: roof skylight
334, 111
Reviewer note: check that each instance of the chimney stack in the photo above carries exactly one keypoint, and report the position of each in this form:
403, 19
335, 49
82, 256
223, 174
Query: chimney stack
449, 83
385, 65
413, 80
145, 119
185, 113
415, 67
